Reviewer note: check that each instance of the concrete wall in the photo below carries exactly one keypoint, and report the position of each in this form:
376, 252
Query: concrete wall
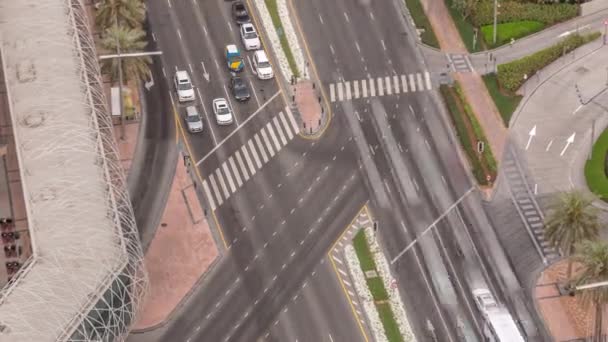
593, 6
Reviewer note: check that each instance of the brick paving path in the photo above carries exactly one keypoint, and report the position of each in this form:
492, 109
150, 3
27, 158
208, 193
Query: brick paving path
308, 105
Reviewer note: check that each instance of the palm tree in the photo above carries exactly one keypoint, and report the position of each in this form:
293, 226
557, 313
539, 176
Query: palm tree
120, 12
573, 219
593, 258
129, 40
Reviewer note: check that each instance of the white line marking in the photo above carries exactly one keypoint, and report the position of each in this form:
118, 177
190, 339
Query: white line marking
227, 175
412, 82
208, 194
169, 2
389, 89
218, 174
241, 165
255, 93
383, 45
371, 15
216, 190
273, 135
380, 86
372, 87
427, 78
332, 49
267, 142
332, 92
294, 125
340, 91
179, 34
260, 147
346, 16
277, 125
235, 172
321, 19
364, 88
357, 46
396, 84
549, 145
252, 169
356, 89
286, 125
404, 83
420, 82
337, 259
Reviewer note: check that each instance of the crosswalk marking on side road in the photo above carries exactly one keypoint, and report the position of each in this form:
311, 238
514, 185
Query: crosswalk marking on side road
258, 142
235, 172
380, 86
243, 163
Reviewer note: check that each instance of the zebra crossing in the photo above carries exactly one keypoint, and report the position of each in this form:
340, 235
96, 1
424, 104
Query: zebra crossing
244, 163
380, 86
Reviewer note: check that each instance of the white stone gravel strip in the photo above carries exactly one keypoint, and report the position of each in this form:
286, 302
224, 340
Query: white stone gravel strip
275, 42
393, 294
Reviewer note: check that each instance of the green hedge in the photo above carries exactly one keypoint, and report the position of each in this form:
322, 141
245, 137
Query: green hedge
391, 328
511, 75
595, 168
458, 118
278, 25
422, 22
511, 11
363, 252
507, 31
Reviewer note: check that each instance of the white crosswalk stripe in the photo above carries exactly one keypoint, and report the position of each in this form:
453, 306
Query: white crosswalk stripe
277, 125
420, 84
267, 143
208, 195
427, 78
286, 125
332, 92
218, 174
380, 86
348, 94
261, 148
227, 175
372, 87
389, 89
252, 169
235, 172
340, 91
364, 88
273, 135
254, 153
404, 83
356, 89
216, 190
412, 82
396, 84
293, 122
242, 165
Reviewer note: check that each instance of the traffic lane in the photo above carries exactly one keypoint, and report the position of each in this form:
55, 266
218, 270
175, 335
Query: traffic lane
321, 310
324, 234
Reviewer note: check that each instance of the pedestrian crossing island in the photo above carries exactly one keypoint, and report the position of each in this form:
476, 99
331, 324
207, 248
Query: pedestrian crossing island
380, 86
244, 163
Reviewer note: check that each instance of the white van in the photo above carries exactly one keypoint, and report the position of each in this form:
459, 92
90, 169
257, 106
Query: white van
262, 65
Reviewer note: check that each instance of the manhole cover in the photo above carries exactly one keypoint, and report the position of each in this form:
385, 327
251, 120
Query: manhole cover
163, 225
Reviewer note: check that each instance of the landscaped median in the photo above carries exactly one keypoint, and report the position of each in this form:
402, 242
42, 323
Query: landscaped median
276, 19
470, 134
422, 23
595, 168
371, 275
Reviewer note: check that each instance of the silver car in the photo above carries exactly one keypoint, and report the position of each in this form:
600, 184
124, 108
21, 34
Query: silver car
193, 120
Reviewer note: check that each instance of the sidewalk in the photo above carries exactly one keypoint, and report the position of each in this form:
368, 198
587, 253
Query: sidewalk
472, 85
307, 104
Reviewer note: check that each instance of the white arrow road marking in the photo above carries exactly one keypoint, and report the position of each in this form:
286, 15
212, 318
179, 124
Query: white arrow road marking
205, 74
532, 133
568, 142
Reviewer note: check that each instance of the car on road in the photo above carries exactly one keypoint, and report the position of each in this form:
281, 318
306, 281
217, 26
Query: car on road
193, 120
239, 89
223, 114
183, 86
250, 37
239, 13
262, 66
234, 59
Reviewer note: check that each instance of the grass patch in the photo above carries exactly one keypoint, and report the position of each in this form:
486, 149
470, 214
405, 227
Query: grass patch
507, 31
465, 28
276, 20
363, 252
595, 168
469, 133
389, 323
376, 287
505, 102
516, 11
422, 22
511, 75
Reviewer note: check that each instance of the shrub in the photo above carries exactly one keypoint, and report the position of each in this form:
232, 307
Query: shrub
421, 21
595, 168
511, 11
511, 75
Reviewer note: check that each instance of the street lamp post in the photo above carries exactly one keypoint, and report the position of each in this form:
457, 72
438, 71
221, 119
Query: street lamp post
495, 18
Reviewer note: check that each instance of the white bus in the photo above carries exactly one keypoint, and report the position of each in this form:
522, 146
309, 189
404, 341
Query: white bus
499, 324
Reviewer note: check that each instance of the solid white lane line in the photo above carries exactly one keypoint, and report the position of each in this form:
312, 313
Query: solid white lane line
179, 34
273, 135
427, 78
206, 116
258, 142
255, 94
255, 155
208, 194
227, 175
277, 125
292, 120
218, 174
242, 166
245, 153
216, 190
267, 142
286, 125
169, 3
383, 45
346, 16
235, 172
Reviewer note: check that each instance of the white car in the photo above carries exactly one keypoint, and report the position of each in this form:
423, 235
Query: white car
183, 86
223, 114
250, 37
262, 66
